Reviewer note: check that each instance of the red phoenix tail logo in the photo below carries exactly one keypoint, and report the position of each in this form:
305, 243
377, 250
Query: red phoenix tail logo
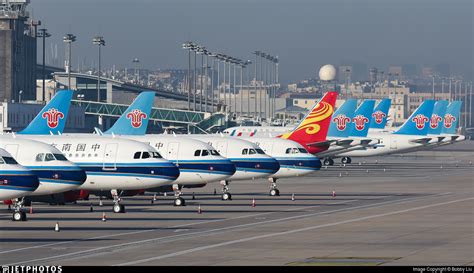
378, 116
52, 117
136, 116
341, 121
448, 120
420, 121
360, 122
435, 119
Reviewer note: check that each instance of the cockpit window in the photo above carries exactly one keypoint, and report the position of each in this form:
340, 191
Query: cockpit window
205, 153
60, 157
49, 157
1, 161
214, 152
303, 150
197, 153
9, 160
288, 150
145, 155
137, 155
245, 151
156, 155
39, 157
260, 151
295, 151
252, 152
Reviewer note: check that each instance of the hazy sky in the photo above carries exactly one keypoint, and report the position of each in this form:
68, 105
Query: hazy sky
305, 34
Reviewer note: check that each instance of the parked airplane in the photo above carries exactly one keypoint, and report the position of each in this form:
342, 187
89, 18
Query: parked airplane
411, 135
198, 162
111, 163
293, 158
16, 181
55, 173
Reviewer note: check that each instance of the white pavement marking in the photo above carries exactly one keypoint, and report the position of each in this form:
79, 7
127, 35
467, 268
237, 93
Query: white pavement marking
177, 226
213, 231
288, 232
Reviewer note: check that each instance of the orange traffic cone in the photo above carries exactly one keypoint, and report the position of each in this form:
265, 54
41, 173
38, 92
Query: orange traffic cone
293, 197
104, 218
31, 209
253, 203
199, 209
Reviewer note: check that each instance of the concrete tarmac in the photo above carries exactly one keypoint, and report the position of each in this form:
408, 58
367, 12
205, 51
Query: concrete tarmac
415, 209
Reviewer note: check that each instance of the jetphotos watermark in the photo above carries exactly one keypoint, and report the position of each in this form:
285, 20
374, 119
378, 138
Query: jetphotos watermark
443, 269
31, 269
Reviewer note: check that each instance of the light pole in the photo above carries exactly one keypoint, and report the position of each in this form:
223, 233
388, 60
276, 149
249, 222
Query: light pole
248, 86
189, 46
433, 77
99, 41
19, 95
43, 33
69, 39
213, 56
470, 104
136, 61
277, 63
201, 51
257, 53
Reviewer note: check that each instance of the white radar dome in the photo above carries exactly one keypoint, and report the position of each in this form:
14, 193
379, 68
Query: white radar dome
327, 72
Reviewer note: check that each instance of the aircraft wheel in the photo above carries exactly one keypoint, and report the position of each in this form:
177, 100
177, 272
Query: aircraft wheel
178, 202
119, 208
274, 192
19, 216
226, 196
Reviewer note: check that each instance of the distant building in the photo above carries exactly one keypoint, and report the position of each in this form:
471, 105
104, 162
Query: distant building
17, 52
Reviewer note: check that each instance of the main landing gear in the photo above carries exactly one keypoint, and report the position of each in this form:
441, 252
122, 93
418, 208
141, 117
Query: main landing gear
273, 188
346, 160
328, 161
18, 214
225, 190
118, 208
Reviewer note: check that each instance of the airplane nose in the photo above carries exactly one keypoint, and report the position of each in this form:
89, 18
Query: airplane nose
224, 167
168, 170
27, 181
271, 165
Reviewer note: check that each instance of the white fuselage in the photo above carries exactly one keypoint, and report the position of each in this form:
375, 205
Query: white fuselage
293, 158
55, 173
388, 143
250, 163
198, 162
113, 163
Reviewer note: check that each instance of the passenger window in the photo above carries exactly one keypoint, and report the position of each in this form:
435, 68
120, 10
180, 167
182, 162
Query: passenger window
252, 152
145, 155
205, 153
197, 153
39, 157
245, 151
137, 155
49, 157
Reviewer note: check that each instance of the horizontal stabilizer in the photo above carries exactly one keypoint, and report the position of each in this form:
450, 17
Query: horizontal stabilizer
424, 140
320, 143
344, 142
